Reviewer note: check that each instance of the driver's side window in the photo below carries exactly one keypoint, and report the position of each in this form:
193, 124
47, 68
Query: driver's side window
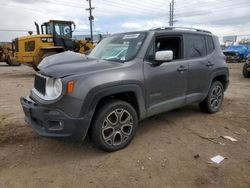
165, 43
172, 43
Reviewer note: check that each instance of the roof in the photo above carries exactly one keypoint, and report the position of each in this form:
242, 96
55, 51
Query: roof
173, 30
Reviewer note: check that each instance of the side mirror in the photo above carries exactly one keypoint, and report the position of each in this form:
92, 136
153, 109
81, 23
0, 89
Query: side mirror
163, 56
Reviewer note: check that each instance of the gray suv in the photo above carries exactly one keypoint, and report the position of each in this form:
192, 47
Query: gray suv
127, 77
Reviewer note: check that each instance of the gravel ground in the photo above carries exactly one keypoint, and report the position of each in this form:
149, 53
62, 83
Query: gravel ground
172, 149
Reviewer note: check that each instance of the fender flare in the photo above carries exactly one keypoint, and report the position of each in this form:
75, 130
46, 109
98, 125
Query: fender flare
96, 94
219, 72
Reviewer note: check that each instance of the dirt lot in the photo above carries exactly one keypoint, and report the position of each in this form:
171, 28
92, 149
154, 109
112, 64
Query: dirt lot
161, 155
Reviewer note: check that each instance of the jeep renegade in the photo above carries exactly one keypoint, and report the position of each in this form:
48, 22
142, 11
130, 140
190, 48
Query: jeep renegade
127, 77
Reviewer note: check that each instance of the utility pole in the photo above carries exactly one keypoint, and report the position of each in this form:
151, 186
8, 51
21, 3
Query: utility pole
171, 13
91, 18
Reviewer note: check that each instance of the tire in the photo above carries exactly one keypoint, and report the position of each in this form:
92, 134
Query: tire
213, 101
245, 72
10, 63
44, 55
114, 125
48, 54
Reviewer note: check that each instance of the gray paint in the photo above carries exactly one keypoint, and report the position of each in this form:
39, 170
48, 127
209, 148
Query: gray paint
157, 88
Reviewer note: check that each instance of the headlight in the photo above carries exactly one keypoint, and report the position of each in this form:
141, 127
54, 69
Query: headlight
53, 88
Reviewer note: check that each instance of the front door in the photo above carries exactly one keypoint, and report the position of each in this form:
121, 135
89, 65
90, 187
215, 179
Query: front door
166, 83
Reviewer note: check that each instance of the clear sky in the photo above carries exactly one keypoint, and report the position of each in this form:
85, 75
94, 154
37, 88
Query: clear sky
224, 17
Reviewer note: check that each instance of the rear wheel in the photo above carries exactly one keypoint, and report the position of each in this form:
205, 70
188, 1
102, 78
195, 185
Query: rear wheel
214, 99
48, 54
245, 72
114, 125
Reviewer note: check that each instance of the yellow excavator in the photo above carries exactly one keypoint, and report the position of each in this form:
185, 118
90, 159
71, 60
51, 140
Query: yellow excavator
54, 37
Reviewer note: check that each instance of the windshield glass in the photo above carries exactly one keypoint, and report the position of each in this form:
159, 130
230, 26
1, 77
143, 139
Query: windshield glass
122, 47
63, 30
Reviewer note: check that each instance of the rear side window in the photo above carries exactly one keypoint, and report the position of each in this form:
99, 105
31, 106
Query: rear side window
195, 46
210, 44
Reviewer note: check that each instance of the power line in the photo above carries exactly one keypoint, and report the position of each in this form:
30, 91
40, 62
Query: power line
137, 8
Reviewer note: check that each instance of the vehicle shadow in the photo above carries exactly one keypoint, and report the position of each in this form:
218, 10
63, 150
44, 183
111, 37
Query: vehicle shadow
3, 64
54, 151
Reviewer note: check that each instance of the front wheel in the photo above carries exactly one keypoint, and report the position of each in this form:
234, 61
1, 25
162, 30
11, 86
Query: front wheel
212, 103
245, 72
114, 125
11, 63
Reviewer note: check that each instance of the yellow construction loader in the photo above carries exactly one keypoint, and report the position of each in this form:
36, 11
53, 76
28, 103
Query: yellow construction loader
55, 37
6, 53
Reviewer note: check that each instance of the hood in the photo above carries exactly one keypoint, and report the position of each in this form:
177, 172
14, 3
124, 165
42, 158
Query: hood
70, 63
232, 51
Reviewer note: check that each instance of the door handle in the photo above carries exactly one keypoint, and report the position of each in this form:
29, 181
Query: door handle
182, 69
210, 64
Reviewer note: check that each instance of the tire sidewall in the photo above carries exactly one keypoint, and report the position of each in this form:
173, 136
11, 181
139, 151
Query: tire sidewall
210, 108
103, 113
245, 72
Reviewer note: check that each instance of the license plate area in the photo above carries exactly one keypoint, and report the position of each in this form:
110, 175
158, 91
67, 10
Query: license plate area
27, 104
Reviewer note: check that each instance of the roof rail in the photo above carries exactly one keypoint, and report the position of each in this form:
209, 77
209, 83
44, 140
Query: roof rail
181, 28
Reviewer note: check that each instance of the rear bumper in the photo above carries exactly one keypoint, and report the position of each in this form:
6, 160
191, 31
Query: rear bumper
53, 123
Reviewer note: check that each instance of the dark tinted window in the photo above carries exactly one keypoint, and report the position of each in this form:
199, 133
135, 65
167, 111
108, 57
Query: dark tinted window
210, 44
16, 45
30, 46
195, 46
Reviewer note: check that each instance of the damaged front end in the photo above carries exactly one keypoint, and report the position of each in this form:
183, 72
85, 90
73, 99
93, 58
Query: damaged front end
233, 57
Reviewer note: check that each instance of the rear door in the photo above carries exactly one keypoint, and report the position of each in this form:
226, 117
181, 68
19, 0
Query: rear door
200, 63
166, 83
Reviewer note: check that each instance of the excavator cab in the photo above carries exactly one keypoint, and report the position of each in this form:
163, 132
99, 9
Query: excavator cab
52, 37
61, 32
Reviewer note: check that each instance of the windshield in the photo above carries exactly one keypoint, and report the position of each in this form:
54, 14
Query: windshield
63, 30
122, 47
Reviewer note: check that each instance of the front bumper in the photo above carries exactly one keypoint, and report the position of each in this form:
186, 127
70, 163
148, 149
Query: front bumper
53, 123
234, 59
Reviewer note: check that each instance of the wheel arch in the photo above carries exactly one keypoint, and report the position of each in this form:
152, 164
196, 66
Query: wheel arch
131, 93
221, 76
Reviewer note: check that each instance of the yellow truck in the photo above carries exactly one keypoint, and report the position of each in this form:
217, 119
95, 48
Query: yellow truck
55, 37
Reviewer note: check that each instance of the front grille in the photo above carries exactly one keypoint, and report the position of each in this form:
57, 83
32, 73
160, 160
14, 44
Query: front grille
40, 84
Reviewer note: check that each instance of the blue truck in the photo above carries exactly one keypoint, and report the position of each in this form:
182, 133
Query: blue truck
237, 53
